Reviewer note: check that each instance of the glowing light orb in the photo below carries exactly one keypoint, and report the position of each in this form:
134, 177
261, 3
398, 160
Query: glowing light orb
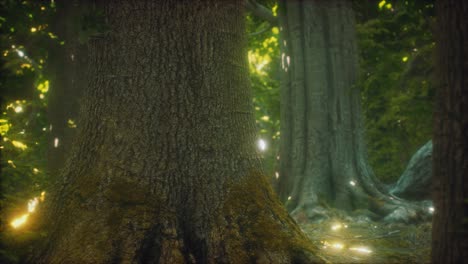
336, 227
337, 246
361, 250
17, 222
32, 204
262, 146
20, 53
18, 109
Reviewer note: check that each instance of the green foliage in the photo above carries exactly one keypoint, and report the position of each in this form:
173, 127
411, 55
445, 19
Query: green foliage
264, 75
397, 90
24, 38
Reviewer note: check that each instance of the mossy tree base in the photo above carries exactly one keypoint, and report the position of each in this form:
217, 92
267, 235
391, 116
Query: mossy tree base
251, 226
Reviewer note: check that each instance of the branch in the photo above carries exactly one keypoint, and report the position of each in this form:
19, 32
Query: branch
261, 31
261, 11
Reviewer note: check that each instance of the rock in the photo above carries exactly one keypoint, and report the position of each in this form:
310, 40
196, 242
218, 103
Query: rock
419, 212
415, 182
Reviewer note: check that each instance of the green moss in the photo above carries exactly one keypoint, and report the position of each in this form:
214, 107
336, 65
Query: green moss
260, 221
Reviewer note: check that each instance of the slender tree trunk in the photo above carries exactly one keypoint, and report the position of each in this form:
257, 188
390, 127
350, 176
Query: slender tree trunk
164, 168
450, 155
67, 80
323, 157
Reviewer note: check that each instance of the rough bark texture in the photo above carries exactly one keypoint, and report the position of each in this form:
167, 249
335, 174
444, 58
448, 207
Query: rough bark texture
322, 157
416, 181
450, 156
164, 168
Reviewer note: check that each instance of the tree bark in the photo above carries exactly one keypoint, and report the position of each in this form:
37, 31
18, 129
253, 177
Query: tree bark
67, 79
323, 160
450, 155
164, 167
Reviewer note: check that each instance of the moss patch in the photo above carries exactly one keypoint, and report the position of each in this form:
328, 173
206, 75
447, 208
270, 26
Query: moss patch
388, 243
260, 221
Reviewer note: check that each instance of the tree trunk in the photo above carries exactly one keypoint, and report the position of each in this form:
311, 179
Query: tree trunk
323, 159
67, 80
164, 168
450, 155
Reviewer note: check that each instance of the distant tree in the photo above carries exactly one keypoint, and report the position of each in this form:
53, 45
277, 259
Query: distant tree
164, 167
323, 154
65, 65
450, 155
322, 147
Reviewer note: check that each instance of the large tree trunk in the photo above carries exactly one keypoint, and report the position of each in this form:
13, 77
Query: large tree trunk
322, 156
450, 155
164, 168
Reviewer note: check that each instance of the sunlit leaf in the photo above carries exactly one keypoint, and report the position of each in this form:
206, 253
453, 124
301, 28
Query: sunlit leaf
18, 144
381, 4
43, 87
12, 164
4, 126
274, 10
71, 123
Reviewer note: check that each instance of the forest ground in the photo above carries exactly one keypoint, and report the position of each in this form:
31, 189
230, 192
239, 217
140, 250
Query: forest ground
371, 242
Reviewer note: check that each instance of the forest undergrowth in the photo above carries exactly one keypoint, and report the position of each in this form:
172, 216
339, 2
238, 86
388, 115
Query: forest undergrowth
363, 241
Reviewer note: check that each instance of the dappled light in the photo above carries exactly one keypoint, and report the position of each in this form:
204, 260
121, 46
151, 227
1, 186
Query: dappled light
17, 222
364, 250
31, 208
18, 144
364, 241
71, 123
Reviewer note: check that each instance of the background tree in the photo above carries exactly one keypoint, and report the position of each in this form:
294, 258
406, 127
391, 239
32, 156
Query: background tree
72, 22
323, 154
395, 44
450, 244
164, 167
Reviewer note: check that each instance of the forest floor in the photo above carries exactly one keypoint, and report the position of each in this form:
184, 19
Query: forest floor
371, 242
